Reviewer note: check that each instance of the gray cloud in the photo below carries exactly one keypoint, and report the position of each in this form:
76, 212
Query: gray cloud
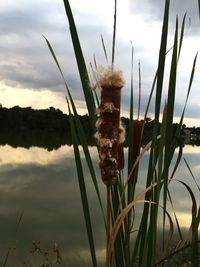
25, 58
149, 9
154, 10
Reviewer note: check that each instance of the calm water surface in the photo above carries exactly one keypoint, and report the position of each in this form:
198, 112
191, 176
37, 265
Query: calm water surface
43, 185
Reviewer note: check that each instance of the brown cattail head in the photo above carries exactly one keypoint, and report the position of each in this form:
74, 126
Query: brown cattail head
121, 148
108, 124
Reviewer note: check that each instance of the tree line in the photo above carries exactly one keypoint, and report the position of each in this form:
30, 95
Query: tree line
51, 119
50, 128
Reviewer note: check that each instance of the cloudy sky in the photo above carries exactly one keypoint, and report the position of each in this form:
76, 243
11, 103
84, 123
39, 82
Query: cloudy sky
29, 77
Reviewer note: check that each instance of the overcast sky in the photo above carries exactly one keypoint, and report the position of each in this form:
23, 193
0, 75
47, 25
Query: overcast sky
29, 77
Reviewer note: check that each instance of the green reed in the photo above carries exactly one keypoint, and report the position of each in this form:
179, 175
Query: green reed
128, 246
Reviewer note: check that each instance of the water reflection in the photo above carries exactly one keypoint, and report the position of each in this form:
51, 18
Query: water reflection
52, 139
42, 138
43, 184
34, 155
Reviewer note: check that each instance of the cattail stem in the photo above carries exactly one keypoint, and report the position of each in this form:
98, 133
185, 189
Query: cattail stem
108, 222
139, 93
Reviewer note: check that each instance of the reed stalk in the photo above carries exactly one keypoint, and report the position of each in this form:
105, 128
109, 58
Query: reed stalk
110, 134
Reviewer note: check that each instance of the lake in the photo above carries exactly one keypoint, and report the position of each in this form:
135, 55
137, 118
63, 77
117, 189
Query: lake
43, 186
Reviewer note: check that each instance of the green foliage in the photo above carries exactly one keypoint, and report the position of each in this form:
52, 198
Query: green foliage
146, 247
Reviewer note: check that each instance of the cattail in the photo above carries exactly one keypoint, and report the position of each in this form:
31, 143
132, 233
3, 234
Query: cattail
137, 136
121, 148
109, 132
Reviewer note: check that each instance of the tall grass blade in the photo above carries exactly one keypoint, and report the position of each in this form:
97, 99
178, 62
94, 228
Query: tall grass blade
82, 188
104, 48
79, 128
150, 96
161, 65
140, 89
114, 34
79, 165
120, 244
176, 219
181, 36
190, 170
160, 168
179, 127
54, 57
178, 160
161, 150
142, 234
170, 234
189, 87
169, 121
15, 233
194, 227
170, 102
84, 144
199, 7
81, 65
130, 159
96, 83
130, 132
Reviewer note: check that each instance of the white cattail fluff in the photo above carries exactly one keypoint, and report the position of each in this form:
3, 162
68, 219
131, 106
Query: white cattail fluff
109, 77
